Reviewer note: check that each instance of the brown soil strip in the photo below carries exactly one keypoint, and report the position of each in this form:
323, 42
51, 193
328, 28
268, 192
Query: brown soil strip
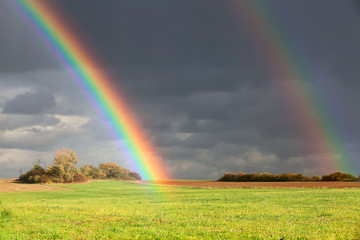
10, 185
216, 184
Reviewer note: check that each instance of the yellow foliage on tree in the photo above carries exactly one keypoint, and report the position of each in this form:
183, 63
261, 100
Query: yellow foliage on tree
112, 170
65, 162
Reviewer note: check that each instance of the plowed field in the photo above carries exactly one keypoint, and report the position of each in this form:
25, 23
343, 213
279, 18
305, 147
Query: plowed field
216, 184
10, 185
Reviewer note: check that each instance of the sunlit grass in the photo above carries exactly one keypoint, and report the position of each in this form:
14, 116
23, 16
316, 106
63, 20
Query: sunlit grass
113, 210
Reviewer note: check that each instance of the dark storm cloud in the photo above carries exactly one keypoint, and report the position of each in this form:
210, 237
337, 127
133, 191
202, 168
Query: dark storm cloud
21, 48
357, 4
325, 34
193, 75
30, 103
161, 81
157, 33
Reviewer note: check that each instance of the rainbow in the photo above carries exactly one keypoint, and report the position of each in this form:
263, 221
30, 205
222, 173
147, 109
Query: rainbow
316, 125
88, 73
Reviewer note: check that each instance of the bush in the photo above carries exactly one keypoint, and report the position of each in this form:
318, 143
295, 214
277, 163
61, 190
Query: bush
285, 177
135, 175
37, 179
339, 176
65, 170
79, 178
316, 178
92, 172
45, 179
33, 175
228, 177
112, 170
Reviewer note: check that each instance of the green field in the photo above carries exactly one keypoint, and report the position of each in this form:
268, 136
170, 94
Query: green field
120, 210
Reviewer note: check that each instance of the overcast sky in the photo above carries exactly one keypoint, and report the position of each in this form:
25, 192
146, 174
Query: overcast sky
192, 74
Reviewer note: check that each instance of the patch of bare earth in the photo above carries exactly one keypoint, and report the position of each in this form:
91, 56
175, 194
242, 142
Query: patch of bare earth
11, 185
216, 184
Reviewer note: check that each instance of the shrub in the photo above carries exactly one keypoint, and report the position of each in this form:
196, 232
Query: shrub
65, 170
285, 177
316, 178
45, 179
291, 177
92, 172
228, 177
135, 175
79, 178
37, 179
33, 175
263, 177
339, 176
54, 171
267, 177
112, 170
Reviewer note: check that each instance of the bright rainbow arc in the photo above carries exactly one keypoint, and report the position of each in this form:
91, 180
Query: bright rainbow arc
88, 73
318, 129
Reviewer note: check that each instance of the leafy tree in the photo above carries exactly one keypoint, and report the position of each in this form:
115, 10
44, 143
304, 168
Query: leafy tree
65, 170
65, 162
66, 158
92, 172
112, 170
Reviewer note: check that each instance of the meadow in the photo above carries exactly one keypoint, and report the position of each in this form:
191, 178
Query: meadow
122, 210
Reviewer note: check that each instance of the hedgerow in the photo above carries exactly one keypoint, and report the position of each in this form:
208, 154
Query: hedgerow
285, 177
65, 170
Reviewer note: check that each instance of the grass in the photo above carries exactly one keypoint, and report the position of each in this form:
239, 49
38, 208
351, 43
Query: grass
119, 210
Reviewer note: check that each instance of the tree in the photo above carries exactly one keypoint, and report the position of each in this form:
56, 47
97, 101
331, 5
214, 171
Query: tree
112, 170
65, 162
92, 172
65, 170
66, 158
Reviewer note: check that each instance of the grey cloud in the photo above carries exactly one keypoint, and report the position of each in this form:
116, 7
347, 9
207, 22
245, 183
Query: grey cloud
206, 126
14, 121
211, 165
43, 137
70, 97
30, 103
153, 33
177, 82
21, 48
99, 130
14, 160
193, 76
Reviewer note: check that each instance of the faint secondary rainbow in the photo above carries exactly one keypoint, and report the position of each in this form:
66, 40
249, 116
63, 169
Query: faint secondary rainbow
89, 74
318, 128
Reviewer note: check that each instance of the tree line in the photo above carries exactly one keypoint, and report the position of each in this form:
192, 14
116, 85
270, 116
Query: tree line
285, 177
65, 170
